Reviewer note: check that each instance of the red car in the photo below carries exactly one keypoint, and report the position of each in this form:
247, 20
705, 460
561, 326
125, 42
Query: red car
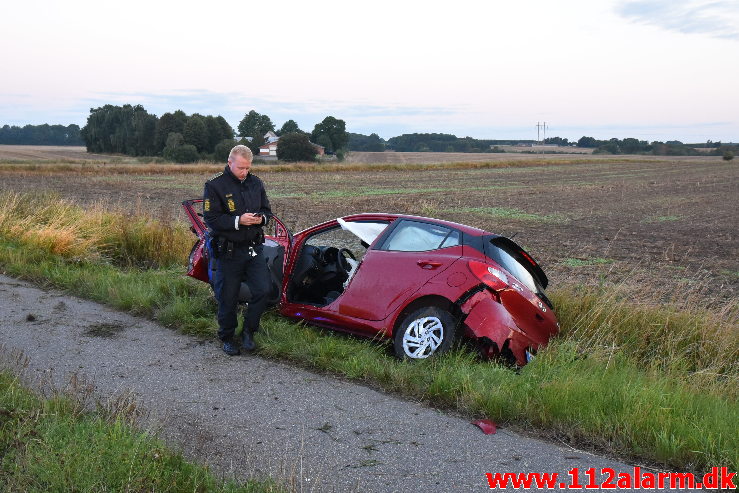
421, 282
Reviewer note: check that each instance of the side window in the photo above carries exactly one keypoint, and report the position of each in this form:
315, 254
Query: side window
414, 236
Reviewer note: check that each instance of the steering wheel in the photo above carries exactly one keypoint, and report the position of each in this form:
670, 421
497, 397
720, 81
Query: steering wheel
345, 253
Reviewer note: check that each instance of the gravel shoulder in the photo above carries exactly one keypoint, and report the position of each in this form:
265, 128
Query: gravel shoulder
246, 416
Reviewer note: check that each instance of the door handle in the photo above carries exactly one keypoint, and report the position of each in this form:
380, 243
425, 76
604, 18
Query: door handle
428, 264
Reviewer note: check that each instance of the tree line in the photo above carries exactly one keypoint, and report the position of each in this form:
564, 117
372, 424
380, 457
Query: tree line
429, 142
133, 131
670, 148
180, 137
41, 135
183, 138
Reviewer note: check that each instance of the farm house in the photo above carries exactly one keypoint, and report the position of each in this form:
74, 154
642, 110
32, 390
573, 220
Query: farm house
270, 148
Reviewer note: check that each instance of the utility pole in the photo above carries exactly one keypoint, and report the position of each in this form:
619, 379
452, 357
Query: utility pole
542, 127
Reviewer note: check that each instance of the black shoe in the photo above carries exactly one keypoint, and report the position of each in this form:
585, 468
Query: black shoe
230, 348
248, 340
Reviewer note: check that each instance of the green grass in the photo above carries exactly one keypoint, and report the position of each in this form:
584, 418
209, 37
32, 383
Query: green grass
604, 383
651, 382
53, 444
505, 213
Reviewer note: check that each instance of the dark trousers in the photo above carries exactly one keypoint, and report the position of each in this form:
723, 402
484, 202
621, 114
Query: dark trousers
230, 272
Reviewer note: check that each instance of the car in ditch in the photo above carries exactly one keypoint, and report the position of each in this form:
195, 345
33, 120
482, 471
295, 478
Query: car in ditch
421, 282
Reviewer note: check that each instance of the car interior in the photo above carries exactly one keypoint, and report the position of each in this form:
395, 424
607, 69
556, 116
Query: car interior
328, 261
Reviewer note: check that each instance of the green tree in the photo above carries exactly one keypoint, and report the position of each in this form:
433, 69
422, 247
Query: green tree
215, 134
196, 132
587, 142
168, 123
186, 153
174, 139
367, 143
288, 127
120, 129
558, 141
144, 130
295, 147
41, 135
325, 141
335, 130
222, 150
226, 130
254, 124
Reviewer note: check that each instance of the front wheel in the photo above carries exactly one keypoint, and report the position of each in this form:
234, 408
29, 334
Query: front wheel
426, 331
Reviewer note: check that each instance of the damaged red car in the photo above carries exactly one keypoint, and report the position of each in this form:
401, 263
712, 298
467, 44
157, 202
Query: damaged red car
421, 282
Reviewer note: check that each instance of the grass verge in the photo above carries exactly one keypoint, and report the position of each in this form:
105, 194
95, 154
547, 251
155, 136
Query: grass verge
53, 444
650, 382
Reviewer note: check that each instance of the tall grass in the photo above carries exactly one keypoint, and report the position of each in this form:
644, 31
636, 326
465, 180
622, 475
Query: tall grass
698, 346
651, 381
61, 228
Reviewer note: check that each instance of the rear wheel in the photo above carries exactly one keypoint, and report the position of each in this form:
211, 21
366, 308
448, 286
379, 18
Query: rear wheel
425, 332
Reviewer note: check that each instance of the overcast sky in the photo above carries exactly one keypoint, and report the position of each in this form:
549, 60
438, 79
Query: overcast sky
655, 70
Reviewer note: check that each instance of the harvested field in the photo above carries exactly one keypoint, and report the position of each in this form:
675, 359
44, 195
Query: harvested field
453, 157
666, 226
10, 153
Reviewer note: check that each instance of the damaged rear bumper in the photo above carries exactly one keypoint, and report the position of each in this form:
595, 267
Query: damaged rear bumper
488, 321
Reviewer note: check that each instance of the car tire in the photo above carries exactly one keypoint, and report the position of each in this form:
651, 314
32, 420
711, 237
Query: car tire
425, 332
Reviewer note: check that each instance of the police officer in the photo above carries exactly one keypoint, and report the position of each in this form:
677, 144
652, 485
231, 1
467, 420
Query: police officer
235, 208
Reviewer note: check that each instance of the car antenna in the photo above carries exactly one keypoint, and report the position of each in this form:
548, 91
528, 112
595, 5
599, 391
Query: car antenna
513, 235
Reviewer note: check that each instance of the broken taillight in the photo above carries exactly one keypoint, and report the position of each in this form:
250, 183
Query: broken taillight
492, 277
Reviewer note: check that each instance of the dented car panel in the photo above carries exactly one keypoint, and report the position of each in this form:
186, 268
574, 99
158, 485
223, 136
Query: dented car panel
487, 319
420, 282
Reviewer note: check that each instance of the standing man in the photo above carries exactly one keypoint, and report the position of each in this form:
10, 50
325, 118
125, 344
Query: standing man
235, 208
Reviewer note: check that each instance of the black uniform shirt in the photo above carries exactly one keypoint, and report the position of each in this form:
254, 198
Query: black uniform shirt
226, 197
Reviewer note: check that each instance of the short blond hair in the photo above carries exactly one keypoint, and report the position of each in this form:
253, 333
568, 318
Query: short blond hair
242, 151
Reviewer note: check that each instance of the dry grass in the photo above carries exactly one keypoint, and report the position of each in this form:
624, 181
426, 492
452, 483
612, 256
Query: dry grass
62, 228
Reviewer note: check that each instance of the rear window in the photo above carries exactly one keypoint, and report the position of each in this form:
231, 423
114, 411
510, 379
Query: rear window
508, 258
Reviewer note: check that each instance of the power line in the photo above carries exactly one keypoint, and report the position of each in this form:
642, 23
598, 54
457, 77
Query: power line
543, 127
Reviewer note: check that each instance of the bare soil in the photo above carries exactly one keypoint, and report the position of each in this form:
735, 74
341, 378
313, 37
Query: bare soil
667, 225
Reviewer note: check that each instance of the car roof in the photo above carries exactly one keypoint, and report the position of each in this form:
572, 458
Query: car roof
382, 216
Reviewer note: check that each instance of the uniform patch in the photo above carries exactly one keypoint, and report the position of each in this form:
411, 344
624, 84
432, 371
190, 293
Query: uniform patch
231, 205
206, 205
215, 176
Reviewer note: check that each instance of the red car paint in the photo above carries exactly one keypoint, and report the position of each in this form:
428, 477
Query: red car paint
503, 315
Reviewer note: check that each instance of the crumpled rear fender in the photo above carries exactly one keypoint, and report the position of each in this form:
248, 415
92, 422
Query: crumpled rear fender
486, 318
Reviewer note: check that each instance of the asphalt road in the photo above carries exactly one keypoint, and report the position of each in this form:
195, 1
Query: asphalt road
246, 416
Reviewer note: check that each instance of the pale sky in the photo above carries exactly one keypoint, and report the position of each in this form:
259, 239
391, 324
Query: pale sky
654, 70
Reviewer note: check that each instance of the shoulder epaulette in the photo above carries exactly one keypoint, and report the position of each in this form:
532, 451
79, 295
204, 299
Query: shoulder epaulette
215, 176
